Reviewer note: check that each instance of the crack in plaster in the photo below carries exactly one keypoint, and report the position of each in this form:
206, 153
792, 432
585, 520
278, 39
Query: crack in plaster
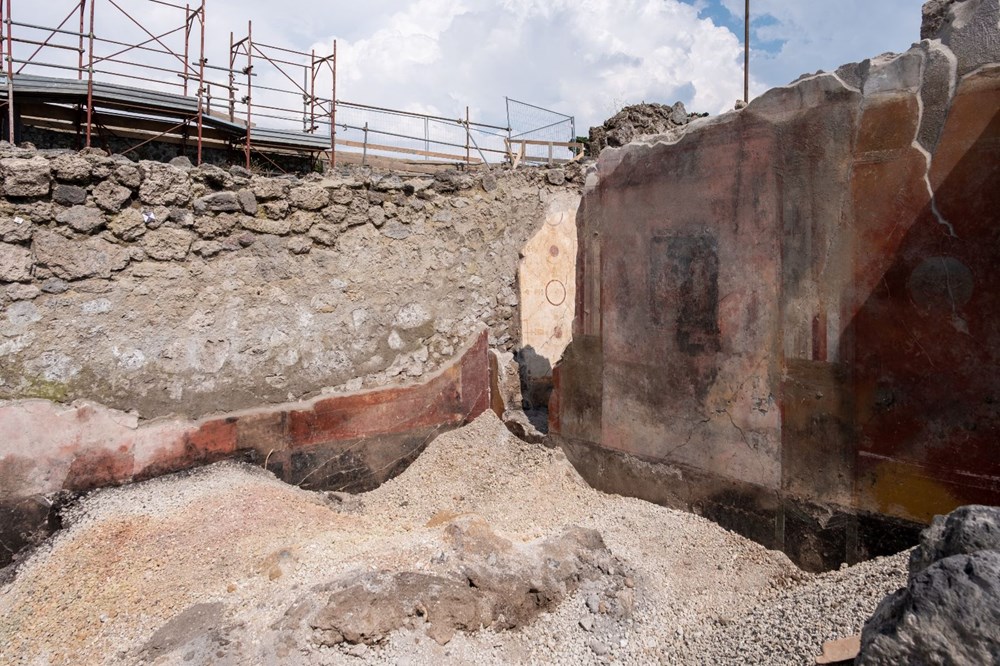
928, 158
694, 426
741, 431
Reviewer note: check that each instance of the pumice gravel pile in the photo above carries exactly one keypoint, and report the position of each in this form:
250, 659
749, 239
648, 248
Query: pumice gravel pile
237, 549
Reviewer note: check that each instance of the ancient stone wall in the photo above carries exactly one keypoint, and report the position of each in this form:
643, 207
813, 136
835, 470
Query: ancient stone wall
786, 315
166, 289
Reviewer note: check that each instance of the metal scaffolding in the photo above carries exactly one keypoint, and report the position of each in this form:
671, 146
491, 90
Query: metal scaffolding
300, 79
104, 75
112, 77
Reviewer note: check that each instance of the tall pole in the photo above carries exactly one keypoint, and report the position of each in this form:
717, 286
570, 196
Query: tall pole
10, 76
79, 71
746, 53
201, 82
249, 71
90, 74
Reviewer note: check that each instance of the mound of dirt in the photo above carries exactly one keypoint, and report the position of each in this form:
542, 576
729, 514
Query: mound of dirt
486, 550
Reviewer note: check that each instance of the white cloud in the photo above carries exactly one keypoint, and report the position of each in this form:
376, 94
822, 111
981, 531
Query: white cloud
582, 57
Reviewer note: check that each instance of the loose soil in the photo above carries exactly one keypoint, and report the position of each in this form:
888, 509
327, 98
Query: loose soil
207, 567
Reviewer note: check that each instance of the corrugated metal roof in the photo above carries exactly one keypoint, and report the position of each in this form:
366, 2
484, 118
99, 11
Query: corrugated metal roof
141, 101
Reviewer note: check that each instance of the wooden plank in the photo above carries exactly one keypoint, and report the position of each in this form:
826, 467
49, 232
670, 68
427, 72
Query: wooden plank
38, 113
558, 144
520, 156
125, 133
406, 151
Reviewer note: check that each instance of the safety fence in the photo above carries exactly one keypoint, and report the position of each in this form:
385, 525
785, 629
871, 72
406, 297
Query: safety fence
102, 73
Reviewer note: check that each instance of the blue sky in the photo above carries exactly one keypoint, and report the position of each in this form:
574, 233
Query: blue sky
586, 58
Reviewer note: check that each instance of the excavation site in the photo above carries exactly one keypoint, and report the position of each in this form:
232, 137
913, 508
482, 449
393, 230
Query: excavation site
286, 379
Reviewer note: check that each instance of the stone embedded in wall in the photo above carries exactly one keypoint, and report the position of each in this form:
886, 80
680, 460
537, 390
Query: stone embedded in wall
111, 196
164, 184
84, 219
128, 225
26, 178
266, 226
15, 229
270, 188
15, 263
69, 195
309, 197
74, 259
71, 169
167, 244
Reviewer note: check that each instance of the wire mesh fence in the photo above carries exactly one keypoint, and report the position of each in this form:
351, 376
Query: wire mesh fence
534, 129
382, 131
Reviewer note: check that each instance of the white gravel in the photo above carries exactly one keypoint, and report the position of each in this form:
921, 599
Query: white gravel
134, 557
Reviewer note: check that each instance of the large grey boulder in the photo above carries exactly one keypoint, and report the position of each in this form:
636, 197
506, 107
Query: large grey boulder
967, 529
949, 612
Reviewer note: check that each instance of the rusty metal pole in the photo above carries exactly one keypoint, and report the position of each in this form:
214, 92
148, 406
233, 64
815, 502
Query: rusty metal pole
232, 79
79, 70
468, 153
312, 93
10, 76
188, 16
333, 113
201, 82
746, 53
249, 72
90, 73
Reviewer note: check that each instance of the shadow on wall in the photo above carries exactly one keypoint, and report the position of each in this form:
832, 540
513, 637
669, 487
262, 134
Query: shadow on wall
909, 419
923, 349
536, 379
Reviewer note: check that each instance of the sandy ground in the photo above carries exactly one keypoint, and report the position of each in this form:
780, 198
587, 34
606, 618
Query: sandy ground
135, 558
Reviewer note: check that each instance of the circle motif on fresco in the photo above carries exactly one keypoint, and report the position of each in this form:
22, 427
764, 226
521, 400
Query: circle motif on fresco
941, 284
555, 220
555, 292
